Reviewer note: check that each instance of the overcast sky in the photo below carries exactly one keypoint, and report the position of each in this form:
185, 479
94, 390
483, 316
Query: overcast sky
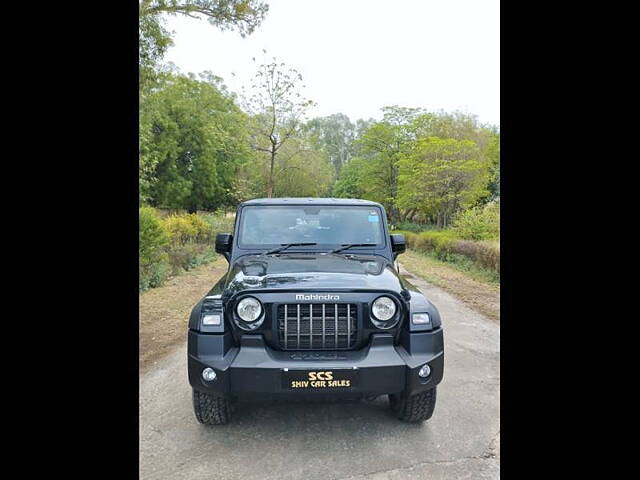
357, 56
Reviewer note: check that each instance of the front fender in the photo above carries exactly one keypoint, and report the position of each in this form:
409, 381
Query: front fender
418, 303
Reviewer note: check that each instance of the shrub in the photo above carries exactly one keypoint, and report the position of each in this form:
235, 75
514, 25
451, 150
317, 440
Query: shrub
154, 275
172, 242
152, 255
414, 227
192, 238
202, 231
189, 256
446, 246
480, 223
219, 222
474, 236
438, 242
188, 228
486, 254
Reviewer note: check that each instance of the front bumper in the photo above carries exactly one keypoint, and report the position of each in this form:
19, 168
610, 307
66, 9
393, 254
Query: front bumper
255, 368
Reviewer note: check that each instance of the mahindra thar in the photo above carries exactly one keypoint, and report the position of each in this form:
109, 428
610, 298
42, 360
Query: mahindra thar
313, 305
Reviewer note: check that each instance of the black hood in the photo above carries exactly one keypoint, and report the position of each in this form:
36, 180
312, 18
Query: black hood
313, 271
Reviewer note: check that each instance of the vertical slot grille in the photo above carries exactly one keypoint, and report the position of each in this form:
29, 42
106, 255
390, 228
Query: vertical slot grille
317, 326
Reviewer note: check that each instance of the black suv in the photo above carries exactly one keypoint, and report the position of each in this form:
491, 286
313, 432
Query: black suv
313, 305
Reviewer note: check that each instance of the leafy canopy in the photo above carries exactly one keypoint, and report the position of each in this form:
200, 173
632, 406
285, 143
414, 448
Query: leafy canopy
335, 135
442, 176
395, 162
193, 140
154, 39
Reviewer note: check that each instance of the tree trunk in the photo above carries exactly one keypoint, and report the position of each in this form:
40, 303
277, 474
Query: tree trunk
270, 182
408, 217
394, 214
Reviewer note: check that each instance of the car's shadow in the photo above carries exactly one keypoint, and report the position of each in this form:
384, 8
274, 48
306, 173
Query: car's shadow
294, 418
315, 440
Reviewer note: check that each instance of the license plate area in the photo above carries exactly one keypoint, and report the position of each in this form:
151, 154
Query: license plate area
321, 379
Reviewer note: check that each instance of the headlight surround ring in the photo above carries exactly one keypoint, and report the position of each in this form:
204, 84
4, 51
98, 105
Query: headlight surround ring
384, 312
249, 313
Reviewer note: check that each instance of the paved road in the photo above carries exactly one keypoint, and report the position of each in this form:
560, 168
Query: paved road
358, 441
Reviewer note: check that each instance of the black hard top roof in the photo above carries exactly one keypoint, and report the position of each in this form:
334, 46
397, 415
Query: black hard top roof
310, 201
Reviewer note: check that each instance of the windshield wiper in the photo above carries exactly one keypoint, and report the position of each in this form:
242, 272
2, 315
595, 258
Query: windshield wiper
287, 245
344, 247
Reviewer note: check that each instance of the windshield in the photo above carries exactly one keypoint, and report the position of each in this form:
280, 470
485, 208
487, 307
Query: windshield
327, 225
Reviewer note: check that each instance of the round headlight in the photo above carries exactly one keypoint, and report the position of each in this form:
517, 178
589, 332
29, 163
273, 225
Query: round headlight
383, 308
249, 309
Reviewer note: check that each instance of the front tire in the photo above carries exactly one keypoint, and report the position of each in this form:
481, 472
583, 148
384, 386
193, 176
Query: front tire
414, 408
210, 410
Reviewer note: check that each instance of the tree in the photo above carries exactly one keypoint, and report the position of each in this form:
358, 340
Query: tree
384, 144
303, 169
456, 125
193, 140
462, 126
407, 143
277, 108
351, 182
441, 177
335, 134
493, 155
154, 39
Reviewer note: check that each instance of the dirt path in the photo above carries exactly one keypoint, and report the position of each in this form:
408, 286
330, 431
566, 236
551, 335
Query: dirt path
481, 296
359, 441
164, 311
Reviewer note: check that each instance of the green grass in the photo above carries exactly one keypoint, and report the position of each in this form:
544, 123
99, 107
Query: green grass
458, 262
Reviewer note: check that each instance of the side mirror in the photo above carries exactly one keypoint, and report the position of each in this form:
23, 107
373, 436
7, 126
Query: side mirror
224, 241
398, 244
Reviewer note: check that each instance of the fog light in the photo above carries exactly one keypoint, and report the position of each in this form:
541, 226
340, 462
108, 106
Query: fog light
424, 371
208, 374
